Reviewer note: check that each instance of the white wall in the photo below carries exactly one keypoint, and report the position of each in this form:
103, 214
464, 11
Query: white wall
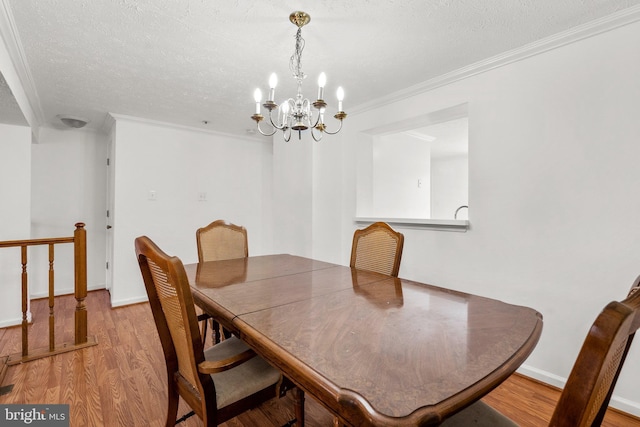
307, 195
292, 195
15, 184
326, 165
363, 144
396, 193
178, 164
68, 186
449, 186
553, 182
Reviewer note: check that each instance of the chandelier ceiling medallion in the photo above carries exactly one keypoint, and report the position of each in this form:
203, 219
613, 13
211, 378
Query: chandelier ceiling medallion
295, 114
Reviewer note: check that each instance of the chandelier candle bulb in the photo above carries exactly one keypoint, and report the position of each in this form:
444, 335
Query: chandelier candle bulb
285, 111
257, 96
322, 80
273, 82
340, 95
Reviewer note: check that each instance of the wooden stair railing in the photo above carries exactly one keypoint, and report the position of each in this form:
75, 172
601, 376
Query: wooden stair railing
81, 340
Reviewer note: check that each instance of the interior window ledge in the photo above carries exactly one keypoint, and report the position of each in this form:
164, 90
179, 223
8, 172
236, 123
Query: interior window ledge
434, 224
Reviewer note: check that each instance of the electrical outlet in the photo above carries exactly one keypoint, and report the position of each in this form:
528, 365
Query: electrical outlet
202, 196
153, 195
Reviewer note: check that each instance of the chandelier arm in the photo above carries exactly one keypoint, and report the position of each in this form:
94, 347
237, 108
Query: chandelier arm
333, 133
313, 135
317, 120
286, 135
278, 127
267, 134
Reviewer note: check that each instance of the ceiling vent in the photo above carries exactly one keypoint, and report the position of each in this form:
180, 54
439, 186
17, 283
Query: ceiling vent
73, 121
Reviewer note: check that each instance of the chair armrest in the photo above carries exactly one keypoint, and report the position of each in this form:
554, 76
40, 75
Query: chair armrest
215, 366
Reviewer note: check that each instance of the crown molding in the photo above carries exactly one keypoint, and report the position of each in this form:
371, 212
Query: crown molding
107, 124
580, 32
420, 136
114, 118
18, 58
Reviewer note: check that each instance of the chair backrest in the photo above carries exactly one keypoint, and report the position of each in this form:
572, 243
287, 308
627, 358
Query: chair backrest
221, 240
174, 313
585, 397
377, 248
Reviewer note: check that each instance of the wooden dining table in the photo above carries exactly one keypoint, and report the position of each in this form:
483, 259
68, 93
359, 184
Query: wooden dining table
372, 349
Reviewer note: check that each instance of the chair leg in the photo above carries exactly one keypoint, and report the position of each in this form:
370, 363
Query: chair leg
226, 333
298, 401
215, 329
204, 318
204, 331
172, 407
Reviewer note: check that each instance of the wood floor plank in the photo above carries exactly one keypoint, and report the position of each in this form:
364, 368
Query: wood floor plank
122, 380
109, 390
92, 397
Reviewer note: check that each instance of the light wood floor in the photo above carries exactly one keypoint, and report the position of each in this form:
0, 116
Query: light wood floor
121, 381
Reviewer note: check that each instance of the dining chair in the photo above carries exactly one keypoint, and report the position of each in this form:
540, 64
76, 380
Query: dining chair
219, 241
585, 397
219, 383
377, 248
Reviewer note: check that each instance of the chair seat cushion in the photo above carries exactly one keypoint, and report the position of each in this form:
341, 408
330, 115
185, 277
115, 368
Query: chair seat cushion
243, 380
479, 414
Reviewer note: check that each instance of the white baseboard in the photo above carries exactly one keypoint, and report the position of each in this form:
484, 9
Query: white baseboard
11, 322
61, 292
625, 405
129, 301
544, 376
622, 404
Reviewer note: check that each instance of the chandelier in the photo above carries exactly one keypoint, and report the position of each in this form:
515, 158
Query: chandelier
295, 114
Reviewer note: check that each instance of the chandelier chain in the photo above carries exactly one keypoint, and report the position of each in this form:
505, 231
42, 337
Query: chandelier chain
295, 63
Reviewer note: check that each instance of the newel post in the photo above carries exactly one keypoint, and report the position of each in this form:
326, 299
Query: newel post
80, 261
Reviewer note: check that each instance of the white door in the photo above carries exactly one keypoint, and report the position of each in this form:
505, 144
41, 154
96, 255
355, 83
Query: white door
109, 214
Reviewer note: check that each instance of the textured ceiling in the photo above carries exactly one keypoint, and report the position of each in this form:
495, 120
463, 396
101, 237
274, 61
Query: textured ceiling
189, 61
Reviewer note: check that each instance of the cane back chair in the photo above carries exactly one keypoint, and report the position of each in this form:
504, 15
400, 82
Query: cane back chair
219, 383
